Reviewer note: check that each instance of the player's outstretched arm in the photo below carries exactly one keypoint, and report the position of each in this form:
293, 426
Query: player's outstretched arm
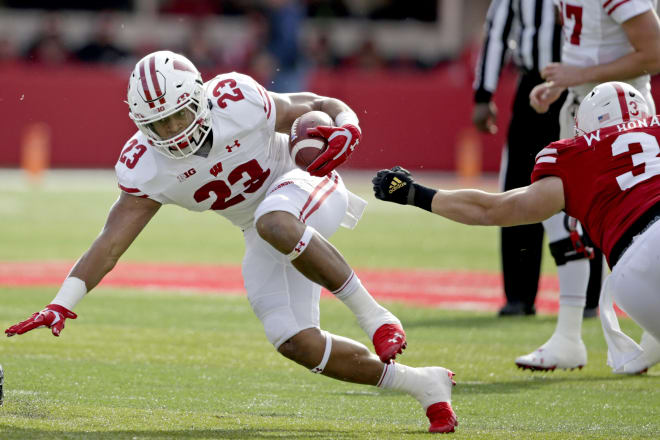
126, 219
342, 138
530, 204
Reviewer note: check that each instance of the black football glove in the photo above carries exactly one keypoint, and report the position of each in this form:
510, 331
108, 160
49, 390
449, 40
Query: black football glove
394, 185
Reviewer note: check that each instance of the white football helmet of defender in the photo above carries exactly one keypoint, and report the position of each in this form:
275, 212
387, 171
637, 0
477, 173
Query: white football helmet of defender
162, 84
608, 104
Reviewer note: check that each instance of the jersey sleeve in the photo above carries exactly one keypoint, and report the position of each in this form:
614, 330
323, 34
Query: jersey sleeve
546, 163
243, 100
136, 169
623, 10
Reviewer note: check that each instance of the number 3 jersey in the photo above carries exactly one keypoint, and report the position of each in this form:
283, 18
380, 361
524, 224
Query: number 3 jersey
611, 176
246, 156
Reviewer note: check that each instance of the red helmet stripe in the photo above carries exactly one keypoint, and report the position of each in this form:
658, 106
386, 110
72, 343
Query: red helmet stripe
625, 115
154, 79
145, 86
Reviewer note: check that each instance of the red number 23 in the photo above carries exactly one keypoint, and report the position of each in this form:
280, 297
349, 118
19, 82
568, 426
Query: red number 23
257, 177
234, 94
138, 151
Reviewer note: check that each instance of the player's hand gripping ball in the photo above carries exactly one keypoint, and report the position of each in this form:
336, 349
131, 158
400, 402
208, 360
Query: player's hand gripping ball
394, 185
303, 147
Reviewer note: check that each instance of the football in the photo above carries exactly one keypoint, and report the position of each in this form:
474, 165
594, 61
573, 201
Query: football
305, 149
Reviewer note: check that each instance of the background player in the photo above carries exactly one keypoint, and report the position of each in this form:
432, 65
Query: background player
604, 40
221, 146
609, 179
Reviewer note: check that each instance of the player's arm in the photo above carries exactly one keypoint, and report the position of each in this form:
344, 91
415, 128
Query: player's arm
289, 106
530, 204
342, 139
127, 217
643, 32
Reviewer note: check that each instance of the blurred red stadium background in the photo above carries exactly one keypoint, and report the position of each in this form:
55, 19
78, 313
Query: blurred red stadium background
419, 119
405, 67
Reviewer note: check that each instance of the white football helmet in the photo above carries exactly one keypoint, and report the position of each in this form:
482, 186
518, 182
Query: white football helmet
162, 84
608, 104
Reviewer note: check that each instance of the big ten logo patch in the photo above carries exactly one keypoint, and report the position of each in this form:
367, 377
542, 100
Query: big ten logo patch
216, 169
183, 176
231, 147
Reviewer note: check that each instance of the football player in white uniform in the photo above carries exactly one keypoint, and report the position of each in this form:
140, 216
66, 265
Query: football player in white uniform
223, 146
604, 40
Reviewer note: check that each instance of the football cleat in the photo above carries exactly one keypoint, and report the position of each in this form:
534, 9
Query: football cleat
436, 384
646, 360
558, 352
389, 340
442, 418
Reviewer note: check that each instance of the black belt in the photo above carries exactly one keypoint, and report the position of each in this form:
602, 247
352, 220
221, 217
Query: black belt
644, 221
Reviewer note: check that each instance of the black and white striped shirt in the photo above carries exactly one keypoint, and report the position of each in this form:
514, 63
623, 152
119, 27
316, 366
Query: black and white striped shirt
528, 29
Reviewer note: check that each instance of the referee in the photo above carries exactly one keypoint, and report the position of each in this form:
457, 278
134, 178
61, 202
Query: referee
527, 30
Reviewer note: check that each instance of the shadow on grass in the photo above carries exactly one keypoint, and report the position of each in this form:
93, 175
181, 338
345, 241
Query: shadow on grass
10, 432
534, 383
486, 321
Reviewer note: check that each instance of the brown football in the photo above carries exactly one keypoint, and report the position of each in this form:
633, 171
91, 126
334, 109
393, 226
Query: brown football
305, 149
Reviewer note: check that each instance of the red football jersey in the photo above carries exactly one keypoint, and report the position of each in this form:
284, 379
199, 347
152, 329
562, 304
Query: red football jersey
610, 176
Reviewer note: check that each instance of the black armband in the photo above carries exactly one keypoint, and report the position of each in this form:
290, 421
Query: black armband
423, 196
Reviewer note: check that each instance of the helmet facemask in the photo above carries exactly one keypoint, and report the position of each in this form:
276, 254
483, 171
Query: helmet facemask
177, 121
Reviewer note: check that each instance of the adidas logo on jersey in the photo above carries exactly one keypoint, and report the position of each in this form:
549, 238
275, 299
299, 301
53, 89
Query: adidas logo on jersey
395, 184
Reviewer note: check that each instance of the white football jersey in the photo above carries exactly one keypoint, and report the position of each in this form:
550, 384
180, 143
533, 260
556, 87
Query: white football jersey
246, 156
593, 33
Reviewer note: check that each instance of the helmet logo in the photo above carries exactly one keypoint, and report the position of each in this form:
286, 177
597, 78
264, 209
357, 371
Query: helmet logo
182, 97
155, 78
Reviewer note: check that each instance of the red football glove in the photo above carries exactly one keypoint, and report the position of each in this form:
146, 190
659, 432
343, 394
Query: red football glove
341, 143
53, 317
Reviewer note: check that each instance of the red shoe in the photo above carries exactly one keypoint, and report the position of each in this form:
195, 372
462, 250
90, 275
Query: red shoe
389, 340
442, 418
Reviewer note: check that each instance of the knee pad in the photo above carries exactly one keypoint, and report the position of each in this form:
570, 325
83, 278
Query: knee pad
570, 249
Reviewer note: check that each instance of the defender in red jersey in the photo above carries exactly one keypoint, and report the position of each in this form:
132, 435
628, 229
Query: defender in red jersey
608, 178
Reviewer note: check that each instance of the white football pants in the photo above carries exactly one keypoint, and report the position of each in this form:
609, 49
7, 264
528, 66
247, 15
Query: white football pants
282, 298
634, 285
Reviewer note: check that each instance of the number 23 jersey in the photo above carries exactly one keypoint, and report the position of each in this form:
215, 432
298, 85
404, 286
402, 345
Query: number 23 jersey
610, 176
246, 156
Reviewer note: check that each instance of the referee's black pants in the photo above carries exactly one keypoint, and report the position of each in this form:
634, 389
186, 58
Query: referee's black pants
522, 246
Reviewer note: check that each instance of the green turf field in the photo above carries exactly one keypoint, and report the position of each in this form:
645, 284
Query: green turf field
143, 364
62, 225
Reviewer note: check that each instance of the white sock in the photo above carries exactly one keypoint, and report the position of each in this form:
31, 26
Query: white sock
370, 315
416, 382
398, 377
573, 280
569, 322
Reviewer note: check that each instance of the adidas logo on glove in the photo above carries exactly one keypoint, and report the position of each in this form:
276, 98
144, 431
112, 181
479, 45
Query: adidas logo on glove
395, 184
